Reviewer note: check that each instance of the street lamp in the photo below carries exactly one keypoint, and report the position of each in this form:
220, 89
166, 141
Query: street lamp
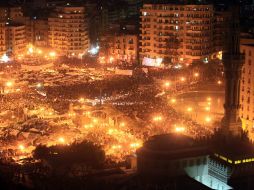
182, 79
167, 84
173, 100
9, 84
21, 147
196, 74
61, 140
52, 54
189, 109
208, 119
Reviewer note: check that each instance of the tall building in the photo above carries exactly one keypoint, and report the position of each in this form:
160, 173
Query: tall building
176, 32
2, 39
68, 30
124, 47
11, 13
37, 31
133, 7
222, 16
16, 39
247, 90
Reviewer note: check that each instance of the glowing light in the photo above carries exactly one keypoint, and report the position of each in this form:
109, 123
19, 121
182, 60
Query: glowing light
207, 108
189, 109
9, 84
182, 79
167, 84
219, 82
158, 61
30, 50
173, 100
209, 99
39, 85
208, 119
93, 50
122, 124
196, 74
157, 118
180, 129
135, 145
39, 51
219, 55
5, 58
81, 100
52, 54
61, 140
111, 59
21, 147
178, 66
89, 126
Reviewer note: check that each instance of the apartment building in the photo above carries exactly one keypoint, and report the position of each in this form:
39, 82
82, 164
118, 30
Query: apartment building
68, 31
15, 39
176, 32
37, 31
11, 13
124, 47
247, 89
2, 39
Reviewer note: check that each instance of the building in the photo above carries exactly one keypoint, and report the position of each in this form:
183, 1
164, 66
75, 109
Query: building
120, 44
11, 13
68, 31
2, 39
247, 89
15, 39
221, 16
37, 31
176, 32
133, 7
123, 47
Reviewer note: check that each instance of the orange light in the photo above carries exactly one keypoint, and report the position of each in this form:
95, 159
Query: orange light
173, 100
182, 79
167, 84
61, 140
9, 84
196, 74
21, 147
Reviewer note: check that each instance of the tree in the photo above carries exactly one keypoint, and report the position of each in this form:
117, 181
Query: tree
63, 158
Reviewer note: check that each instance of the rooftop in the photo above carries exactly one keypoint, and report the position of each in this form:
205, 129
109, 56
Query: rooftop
172, 146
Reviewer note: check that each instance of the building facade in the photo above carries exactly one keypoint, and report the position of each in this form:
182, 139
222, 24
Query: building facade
11, 13
37, 31
16, 39
176, 32
68, 31
247, 90
124, 47
2, 39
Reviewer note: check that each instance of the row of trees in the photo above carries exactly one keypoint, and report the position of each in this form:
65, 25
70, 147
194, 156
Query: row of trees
85, 155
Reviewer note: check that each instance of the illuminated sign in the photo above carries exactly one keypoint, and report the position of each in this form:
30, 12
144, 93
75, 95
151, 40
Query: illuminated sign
247, 160
152, 62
